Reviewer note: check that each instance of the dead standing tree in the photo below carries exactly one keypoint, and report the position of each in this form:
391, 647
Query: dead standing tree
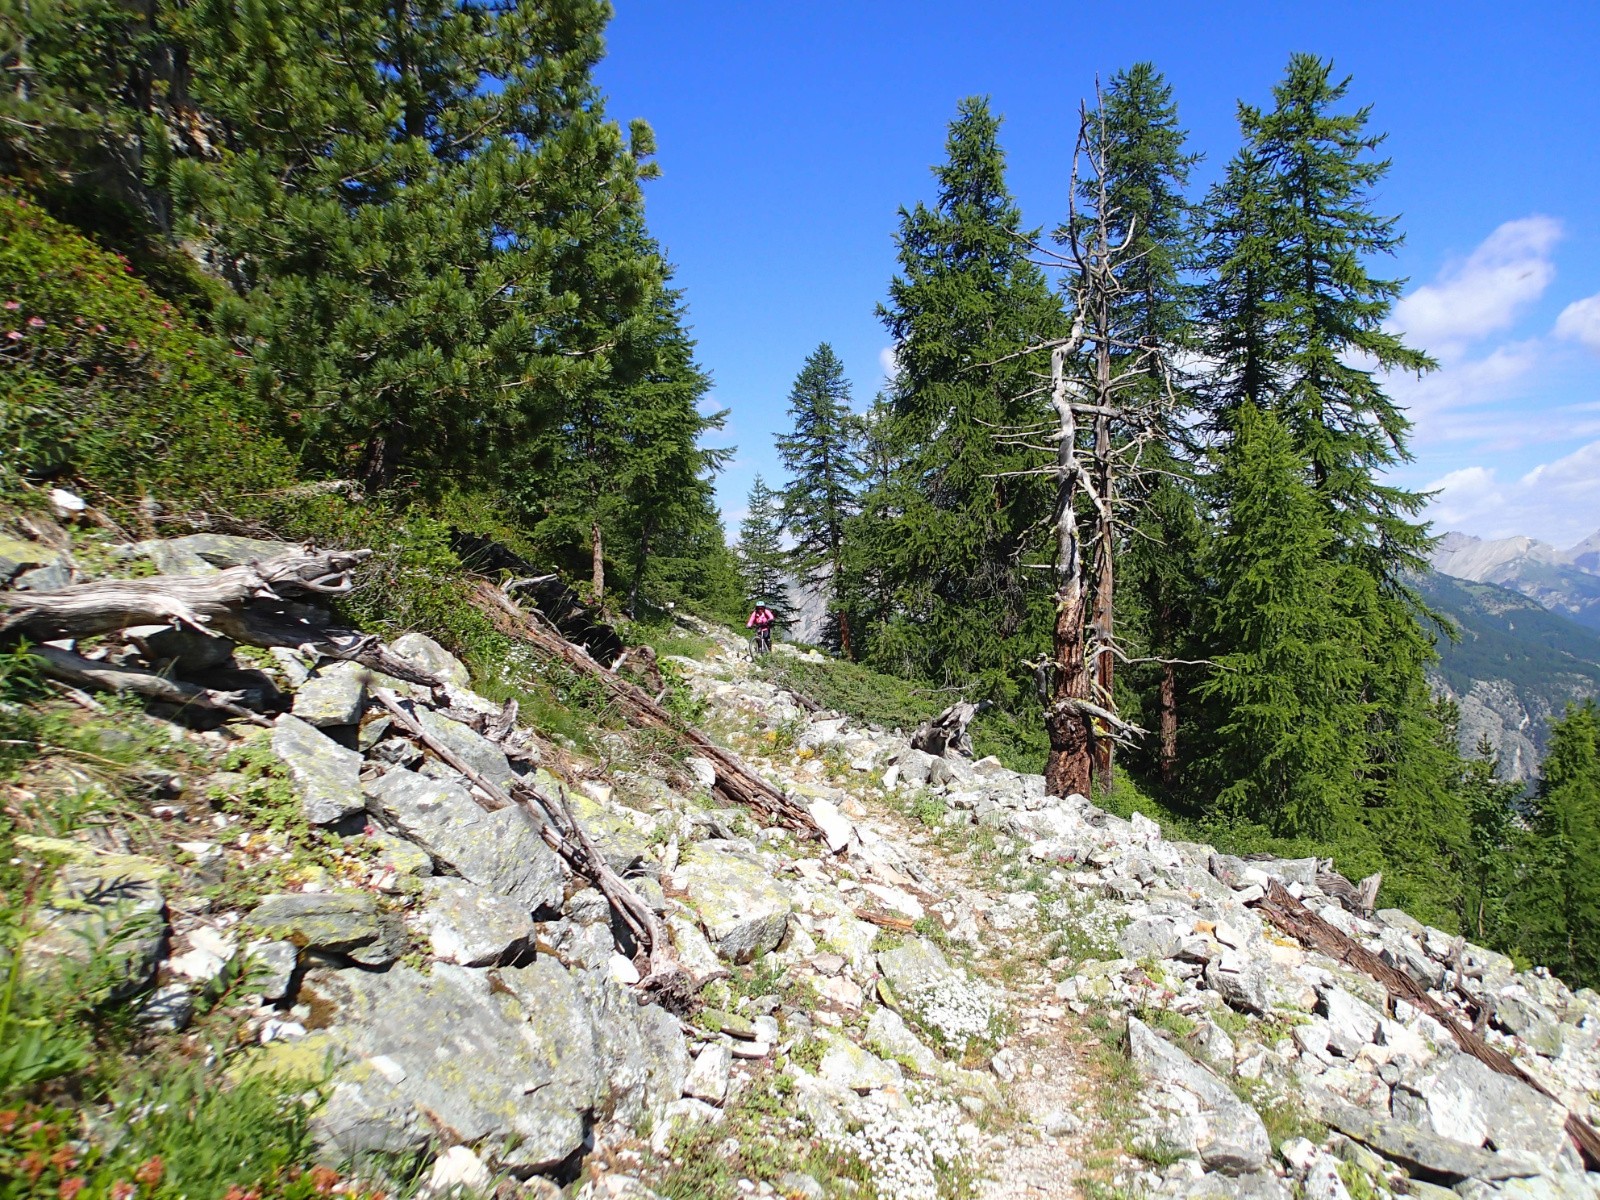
1103, 422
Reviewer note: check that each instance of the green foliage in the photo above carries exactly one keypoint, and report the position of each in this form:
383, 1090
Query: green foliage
947, 529
820, 453
762, 559
105, 380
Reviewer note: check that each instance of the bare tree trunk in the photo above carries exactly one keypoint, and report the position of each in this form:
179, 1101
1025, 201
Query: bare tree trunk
846, 651
1070, 764
1168, 700
1104, 564
598, 571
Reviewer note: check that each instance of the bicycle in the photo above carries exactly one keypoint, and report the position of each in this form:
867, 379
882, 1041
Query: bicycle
760, 643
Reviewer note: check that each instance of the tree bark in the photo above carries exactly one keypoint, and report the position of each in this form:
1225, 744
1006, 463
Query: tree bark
598, 568
1069, 768
1168, 701
1102, 618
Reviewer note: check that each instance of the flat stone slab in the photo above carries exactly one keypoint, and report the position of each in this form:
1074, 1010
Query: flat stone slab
744, 912
499, 851
1465, 1100
423, 652
471, 926
1423, 1153
1225, 1132
348, 923
334, 694
324, 773
519, 1061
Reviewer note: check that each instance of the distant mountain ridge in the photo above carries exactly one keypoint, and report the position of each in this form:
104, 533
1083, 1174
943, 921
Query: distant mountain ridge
1563, 581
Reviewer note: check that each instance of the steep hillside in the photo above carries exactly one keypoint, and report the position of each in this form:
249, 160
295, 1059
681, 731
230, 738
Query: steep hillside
1515, 667
1564, 581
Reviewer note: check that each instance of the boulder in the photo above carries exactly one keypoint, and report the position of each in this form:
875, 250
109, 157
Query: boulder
846, 1064
1460, 1098
187, 650
743, 909
1352, 1024
708, 1078
422, 652
206, 553
477, 751
334, 694
104, 927
499, 851
621, 843
836, 827
888, 1034
325, 774
1221, 1129
1424, 1153
347, 923
271, 966
473, 927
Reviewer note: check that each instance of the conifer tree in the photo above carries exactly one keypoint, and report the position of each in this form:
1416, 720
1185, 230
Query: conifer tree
762, 559
963, 308
1287, 751
1558, 905
822, 456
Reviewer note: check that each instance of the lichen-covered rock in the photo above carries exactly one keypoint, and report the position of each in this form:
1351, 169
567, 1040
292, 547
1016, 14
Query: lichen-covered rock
1460, 1098
920, 978
514, 1060
206, 553
1199, 1111
325, 774
334, 694
473, 927
348, 923
271, 965
846, 1064
500, 851
477, 751
743, 910
104, 926
620, 841
708, 1077
423, 652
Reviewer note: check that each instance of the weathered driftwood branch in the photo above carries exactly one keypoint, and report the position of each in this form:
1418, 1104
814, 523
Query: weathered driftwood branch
253, 604
735, 782
80, 672
1299, 922
667, 981
948, 730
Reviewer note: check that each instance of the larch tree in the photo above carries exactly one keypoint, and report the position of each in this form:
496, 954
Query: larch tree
822, 455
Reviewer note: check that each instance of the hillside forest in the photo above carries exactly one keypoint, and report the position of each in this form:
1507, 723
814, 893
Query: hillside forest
381, 275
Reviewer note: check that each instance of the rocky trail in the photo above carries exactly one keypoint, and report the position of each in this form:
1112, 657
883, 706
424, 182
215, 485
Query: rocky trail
960, 988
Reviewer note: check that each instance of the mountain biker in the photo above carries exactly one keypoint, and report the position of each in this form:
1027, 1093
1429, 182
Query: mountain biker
762, 621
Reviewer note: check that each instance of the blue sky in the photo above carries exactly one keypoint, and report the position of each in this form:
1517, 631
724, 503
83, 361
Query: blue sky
790, 134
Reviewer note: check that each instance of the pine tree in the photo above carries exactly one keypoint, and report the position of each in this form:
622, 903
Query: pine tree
423, 226
962, 310
762, 559
1492, 807
822, 456
1558, 903
1287, 752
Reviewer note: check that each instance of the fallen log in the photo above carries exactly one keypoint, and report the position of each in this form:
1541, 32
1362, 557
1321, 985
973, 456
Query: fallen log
735, 783
80, 672
1300, 923
666, 982
254, 604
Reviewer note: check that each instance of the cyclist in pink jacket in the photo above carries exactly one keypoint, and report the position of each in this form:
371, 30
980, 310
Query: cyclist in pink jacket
762, 621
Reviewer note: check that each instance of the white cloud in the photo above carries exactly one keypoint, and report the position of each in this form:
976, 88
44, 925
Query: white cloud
888, 361
1485, 292
1469, 398
1580, 322
1556, 501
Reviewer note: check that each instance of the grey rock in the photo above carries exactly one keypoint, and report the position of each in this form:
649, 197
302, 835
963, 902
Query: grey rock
743, 909
168, 1009
324, 773
888, 1034
477, 751
846, 1064
918, 968
347, 923
1243, 983
621, 843
205, 553
335, 694
1225, 1132
17, 555
1153, 938
500, 851
708, 1078
471, 926
1569, 1185
426, 654
1460, 1098
915, 767
797, 1184
1258, 1185
1351, 1023
1422, 1152
273, 965
104, 909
